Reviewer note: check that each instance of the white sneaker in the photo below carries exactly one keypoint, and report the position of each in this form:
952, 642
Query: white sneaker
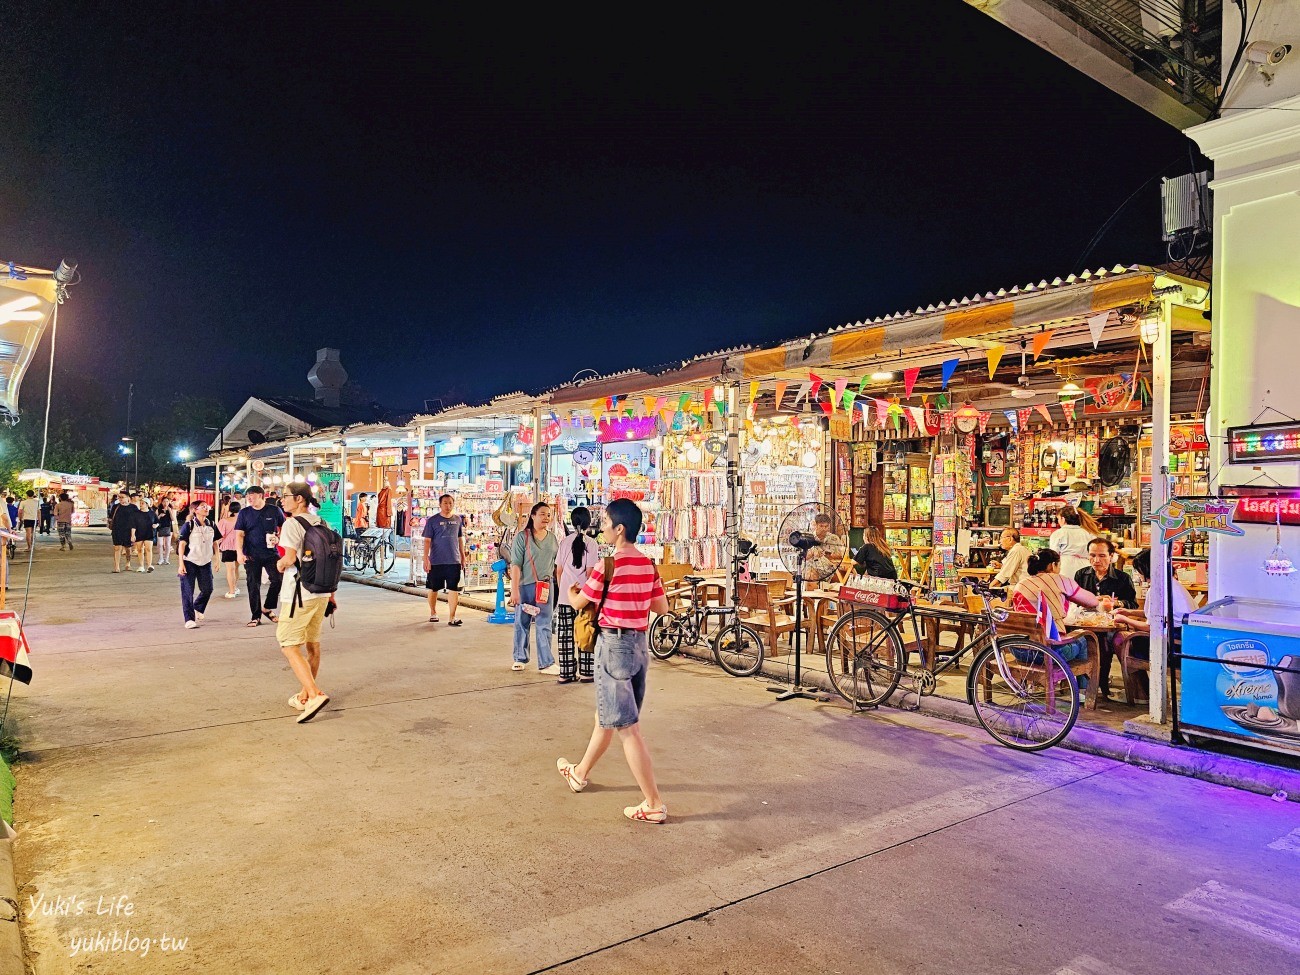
143, 569
199, 617
553, 669
313, 705
191, 625
295, 701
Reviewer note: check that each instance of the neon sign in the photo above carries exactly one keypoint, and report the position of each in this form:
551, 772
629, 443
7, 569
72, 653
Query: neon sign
627, 428
1264, 443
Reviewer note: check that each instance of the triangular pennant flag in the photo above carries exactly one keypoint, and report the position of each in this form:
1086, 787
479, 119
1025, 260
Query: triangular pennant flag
1067, 407
984, 420
598, 407
682, 401
803, 393
995, 356
827, 406
1039, 342
1024, 415
909, 379
649, 406
753, 391
862, 384
848, 401
840, 386
781, 385
1043, 411
949, 367
660, 403
1013, 420
816, 386
947, 419
866, 411
943, 402
882, 411
916, 419
708, 398
1096, 324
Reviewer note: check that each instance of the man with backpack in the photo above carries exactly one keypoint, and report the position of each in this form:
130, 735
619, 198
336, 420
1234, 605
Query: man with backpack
311, 559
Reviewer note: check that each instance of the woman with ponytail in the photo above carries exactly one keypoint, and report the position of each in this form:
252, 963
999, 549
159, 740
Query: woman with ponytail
579, 554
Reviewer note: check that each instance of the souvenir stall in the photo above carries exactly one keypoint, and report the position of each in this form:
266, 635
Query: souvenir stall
89, 497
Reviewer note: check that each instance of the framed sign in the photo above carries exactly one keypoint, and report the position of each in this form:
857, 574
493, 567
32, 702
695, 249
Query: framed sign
1264, 443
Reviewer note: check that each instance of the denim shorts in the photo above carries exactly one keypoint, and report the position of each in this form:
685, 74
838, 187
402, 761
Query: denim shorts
622, 659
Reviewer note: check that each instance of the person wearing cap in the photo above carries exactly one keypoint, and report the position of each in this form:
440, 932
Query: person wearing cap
299, 627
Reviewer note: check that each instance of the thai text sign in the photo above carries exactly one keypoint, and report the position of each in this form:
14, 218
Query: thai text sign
1178, 518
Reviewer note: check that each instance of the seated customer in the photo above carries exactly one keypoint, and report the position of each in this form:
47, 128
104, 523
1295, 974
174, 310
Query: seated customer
823, 561
1101, 578
1045, 586
1139, 642
1014, 563
875, 557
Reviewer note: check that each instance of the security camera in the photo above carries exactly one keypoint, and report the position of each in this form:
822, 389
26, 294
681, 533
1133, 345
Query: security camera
1266, 53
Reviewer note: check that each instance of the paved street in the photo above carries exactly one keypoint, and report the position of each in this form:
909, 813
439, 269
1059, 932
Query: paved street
418, 825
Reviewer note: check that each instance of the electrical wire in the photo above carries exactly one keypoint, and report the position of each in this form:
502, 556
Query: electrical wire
1101, 232
1236, 58
31, 552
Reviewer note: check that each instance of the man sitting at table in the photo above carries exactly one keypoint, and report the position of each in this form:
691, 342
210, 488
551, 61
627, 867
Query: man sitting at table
1101, 578
824, 559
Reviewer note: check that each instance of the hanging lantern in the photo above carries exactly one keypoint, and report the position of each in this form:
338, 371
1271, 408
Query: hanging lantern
1278, 562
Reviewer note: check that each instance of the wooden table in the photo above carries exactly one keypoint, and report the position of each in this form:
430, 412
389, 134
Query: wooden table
813, 600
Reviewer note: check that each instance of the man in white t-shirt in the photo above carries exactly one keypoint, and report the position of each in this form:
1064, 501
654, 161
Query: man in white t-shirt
299, 627
29, 510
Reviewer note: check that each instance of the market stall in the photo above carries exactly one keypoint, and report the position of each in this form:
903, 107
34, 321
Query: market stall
89, 497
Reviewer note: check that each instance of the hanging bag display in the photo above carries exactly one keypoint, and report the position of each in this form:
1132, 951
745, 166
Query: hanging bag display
586, 624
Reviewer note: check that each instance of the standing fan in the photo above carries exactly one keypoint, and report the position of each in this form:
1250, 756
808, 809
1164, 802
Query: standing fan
811, 544
1114, 461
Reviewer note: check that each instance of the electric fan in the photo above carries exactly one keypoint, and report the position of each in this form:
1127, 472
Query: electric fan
812, 545
1114, 461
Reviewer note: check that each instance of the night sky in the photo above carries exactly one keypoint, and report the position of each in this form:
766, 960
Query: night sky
466, 208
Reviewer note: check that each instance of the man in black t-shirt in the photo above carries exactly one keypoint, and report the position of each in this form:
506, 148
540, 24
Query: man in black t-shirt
257, 530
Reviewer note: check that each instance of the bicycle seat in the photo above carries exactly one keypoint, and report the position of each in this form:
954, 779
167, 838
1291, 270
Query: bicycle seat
693, 580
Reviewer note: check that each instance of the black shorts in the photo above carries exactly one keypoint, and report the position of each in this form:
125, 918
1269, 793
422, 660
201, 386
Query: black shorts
119, 542
442, 577
229, 556
29, 523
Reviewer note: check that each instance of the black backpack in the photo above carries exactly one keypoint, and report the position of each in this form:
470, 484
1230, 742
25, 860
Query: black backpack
320, 563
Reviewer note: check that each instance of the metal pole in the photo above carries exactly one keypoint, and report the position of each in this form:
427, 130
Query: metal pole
1160, 390
732, 529
537, 454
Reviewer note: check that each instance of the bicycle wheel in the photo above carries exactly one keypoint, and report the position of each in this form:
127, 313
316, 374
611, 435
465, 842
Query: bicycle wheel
1024, 694
385, 555
738, 649
864, 657
665, 635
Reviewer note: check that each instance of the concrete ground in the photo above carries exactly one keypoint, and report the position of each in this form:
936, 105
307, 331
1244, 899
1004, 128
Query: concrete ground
418, 825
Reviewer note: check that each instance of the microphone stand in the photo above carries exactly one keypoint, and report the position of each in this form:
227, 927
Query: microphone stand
797, 690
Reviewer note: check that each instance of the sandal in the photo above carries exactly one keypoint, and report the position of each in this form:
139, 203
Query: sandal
270, 616
644, 814
433, 619
253, 623
453, 622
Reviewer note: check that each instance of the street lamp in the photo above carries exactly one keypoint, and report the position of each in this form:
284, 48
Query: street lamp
134, 451
184, 453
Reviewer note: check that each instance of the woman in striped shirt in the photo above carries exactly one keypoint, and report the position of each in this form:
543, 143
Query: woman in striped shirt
1046, 586
622, 657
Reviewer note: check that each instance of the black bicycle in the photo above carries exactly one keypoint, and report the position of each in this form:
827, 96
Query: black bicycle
372, 549
737, 647
1024, 693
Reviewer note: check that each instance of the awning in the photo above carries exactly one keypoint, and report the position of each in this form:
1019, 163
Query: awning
28, 300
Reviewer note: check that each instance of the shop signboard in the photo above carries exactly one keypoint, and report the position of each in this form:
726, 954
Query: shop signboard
1181, 516
484, 447
1187, 436
329, 486
387, 456
841, 427
1241, 680
1265, 511
1107, 394
1264, 443
494, 485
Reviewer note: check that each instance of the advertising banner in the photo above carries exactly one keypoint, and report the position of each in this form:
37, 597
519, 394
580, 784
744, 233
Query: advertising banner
329, 492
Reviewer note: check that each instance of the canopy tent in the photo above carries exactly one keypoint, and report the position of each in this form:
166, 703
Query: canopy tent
29, 299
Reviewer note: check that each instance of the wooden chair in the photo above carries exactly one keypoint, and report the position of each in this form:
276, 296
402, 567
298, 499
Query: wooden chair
1090, 666
936, 628
760, 610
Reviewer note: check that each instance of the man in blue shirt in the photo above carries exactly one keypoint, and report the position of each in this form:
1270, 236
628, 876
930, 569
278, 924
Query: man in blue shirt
257, 533
444, 558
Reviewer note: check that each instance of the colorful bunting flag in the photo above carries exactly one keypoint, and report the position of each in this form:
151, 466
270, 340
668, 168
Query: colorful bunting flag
781, 384
1024, 415
816, 384
1043, 411
1039, 342
827, 406
803, 393
649, 406
949, 367
916, 418
882, 412
984, 420
848, 401
995, 356
708, 399
1013, 420
753, 391
840, 386
1067, 407
909, 379
1096, 325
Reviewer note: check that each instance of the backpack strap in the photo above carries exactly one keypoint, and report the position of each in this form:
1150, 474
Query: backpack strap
607, 571
296, 601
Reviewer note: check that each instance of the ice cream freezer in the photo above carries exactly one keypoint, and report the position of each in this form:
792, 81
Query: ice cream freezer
1241, 673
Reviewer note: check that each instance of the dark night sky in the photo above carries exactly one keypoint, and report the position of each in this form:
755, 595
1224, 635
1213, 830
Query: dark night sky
477, 207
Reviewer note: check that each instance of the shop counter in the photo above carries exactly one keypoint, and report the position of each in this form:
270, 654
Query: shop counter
1241, 673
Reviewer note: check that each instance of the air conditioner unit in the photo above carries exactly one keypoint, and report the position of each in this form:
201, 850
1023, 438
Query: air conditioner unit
1185, 204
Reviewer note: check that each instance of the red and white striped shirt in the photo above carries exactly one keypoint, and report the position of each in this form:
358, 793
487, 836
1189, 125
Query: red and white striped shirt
635, 584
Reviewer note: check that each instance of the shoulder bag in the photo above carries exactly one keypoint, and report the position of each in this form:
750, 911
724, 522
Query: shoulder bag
586, 624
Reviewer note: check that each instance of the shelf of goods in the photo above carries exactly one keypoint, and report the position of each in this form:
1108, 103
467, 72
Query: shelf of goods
691, 518
908, 516
646, 493
481, 533
784, 488
953, 502
1076, 457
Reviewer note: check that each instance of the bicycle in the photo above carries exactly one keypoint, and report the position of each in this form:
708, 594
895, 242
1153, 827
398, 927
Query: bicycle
371, 549
737, 647
1013, 680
